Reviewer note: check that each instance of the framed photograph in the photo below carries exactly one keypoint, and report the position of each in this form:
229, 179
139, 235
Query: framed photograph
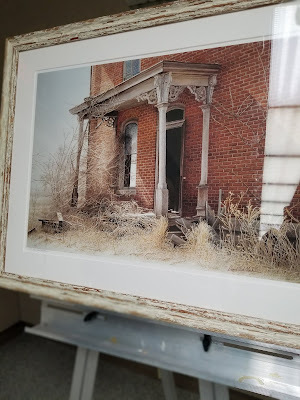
150, 164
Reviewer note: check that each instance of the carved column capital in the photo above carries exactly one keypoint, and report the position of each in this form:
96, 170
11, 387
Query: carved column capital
162, 83
163, 92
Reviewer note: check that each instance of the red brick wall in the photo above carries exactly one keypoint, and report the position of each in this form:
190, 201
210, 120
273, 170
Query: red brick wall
235, 156
146, 116
236, 130
105, 77
102, 165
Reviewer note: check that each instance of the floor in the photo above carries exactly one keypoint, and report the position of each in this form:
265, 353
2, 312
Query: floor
34, 368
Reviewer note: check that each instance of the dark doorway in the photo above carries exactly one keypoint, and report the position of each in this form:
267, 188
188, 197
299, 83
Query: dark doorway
174, 161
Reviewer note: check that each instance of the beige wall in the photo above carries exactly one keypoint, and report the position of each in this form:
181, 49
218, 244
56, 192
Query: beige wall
9, 309
18, 17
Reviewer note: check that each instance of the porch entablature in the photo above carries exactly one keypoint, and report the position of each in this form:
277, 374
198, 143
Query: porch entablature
199, 79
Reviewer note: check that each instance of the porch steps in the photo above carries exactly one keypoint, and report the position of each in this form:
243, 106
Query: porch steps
179, 229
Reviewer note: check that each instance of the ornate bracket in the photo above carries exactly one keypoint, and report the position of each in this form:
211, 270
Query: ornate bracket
199, 92
175, 92
163, 91
204, 93
109, 121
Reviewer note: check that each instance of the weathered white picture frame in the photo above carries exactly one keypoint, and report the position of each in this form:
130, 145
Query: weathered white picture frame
246, 306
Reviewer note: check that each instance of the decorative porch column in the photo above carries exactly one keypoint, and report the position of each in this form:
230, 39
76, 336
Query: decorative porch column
162, 84
204, 94
202, 187
161, 192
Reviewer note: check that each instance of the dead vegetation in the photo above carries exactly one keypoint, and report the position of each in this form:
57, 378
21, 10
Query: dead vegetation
276, 253
103, 224
123, 228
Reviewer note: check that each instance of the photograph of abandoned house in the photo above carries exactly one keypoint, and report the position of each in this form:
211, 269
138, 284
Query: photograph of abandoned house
177, 158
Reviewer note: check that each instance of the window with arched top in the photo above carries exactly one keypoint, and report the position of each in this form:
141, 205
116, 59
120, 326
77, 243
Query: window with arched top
130, 155
175, 114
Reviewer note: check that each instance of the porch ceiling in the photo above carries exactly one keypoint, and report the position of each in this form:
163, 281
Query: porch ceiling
125, 95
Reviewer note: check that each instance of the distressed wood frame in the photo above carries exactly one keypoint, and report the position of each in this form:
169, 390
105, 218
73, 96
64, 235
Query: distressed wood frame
275, 334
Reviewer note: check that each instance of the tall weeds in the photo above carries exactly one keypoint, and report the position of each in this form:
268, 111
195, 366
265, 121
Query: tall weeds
279, 249
199, 242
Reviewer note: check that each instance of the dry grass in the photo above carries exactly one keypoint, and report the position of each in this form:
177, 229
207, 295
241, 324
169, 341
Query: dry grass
199, 243
125, 229
274, 255
110, 234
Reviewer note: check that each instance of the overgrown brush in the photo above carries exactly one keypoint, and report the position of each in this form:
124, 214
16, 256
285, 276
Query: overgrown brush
157, 236
199, 242
239, 224
122, 218
124, 228
278, 249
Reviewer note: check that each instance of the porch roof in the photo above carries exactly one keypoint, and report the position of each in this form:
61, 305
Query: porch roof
127, 94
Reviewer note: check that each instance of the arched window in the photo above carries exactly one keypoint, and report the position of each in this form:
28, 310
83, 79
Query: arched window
130, 155
175, 114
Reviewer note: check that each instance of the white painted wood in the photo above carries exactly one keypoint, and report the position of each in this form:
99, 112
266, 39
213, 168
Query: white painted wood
268, 332
221, 392
90, 375
168, 383
212, 391
281, 172
84, 374
240, 364
282, 145
78, 374
206, 390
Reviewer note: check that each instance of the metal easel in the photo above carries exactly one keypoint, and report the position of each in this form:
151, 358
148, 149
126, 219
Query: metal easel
217, 361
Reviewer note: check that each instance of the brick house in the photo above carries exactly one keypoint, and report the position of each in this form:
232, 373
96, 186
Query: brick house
184, 126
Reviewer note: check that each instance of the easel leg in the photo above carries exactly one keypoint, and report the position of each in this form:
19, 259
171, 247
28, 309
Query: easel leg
221, 392
212, 391
167, 379
84, 374
206, 390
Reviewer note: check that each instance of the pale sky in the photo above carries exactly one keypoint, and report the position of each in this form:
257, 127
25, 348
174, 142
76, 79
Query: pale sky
57, 92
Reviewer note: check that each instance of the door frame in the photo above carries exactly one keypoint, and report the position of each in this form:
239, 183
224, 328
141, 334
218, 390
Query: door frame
173, 125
